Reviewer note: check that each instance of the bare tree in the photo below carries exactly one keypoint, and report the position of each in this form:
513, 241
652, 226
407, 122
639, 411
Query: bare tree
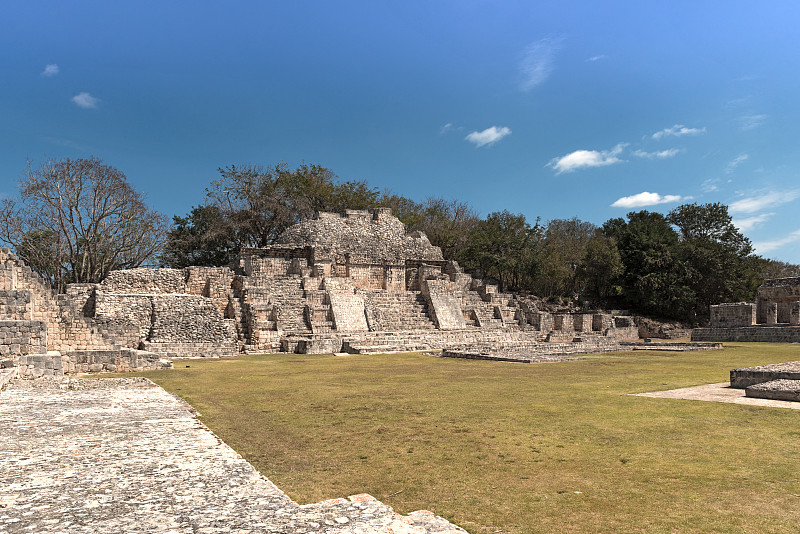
76, 220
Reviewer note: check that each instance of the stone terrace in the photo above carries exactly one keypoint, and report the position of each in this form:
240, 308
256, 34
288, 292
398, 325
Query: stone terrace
123, 455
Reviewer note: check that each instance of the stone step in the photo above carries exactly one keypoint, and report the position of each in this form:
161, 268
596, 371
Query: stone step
382, 349
781, 389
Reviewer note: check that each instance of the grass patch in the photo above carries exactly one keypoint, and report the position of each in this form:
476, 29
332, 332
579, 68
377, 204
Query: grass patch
513, 448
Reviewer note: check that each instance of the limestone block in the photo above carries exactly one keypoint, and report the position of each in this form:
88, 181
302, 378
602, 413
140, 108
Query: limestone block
771, 313
582, 322
444, 307
346, 306
733, 314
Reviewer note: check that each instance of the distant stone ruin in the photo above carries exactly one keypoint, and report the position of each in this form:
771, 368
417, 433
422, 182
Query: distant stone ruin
773, 317
356, 282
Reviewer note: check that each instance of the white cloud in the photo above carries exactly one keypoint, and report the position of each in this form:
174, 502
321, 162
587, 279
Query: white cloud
679, 130
748, 223
749, 122
710, 185
50, 70
644, 199
662, 154
85, 100
489, 136
767, 200
597, 58
587, 158
537, 62
446, 128
735, 162
763, 247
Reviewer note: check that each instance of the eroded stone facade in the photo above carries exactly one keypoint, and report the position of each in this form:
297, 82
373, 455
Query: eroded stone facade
773, 317
353, 282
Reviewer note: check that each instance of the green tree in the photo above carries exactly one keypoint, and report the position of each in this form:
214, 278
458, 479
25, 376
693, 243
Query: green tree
563, 249
448, 225
504, 246
601, 268
204, 237
654, 280
719, 258
251, 206
776, 269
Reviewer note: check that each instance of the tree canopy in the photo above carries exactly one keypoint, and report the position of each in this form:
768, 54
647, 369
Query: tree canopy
76, 220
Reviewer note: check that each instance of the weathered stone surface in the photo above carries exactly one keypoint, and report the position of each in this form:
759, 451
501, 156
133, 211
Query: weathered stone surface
786, 390
671, 346
747, 376
373, 237
749, 334
777, 305
99, 456
328, 283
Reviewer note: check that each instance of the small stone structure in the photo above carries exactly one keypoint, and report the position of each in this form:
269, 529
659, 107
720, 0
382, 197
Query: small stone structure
773, 317
777, 381
354, 282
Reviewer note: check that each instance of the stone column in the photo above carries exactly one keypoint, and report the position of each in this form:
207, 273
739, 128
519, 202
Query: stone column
794, 315
772, 313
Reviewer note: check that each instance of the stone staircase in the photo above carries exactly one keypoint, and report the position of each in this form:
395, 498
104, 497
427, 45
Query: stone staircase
478, 312
420, 340
395, 311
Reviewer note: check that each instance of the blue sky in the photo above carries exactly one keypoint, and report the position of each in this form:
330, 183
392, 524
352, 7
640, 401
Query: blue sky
550, 109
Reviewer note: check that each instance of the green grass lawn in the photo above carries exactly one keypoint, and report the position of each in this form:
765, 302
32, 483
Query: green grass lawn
509, 447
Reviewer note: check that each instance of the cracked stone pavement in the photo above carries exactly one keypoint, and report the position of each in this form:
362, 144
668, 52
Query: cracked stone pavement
123, 455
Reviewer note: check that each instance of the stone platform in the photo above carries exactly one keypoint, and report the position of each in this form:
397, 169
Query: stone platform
786, 390
673, 346
747, 376
784, 333
123, 455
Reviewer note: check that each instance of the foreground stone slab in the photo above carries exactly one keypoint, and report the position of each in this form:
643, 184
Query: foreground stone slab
748, 376
123, 455
785, 390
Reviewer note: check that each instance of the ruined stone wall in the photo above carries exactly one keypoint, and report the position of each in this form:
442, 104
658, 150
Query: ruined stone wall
114, 361
373, 237
145, 281
779, 291
366, 276
211, 282
171, 310
582, 322
135, 310
760, 333
66, 326
542, 321
20, 337
82, 297
733, 314
188, 318
47, 365
602, 322
16, 305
